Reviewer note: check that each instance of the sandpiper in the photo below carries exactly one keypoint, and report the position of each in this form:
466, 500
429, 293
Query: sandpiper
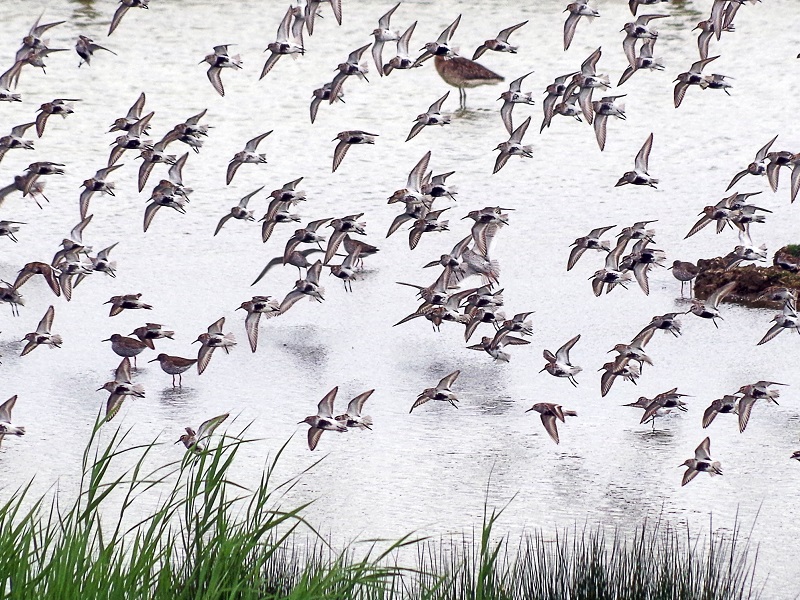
341, 228
558, 365
604, 108
131, 140
85, 47
9, 228
220, 60
383, 34
403, 59
662, 404
589, 242
42, 335
576, 11
353, 416
621, 367
701, 463
728, 404
323, 420
197, 441
640, 175
122, 9
210, 341
133, 116
430, 222
6, 427
513, 147
440, 392
320, 95
685, 272
312, 10
549, 412
493, 346
441, 47
757, 167
174, 365
239, 211
305, 288
38, 268
126, 302
10, 295
94, 184
347, 270
500, 43
635, 350
59, 106
152, 331
611, 275
248, 155
352, 66
668, 322
347, 139
286, 43
554, 93
585, 82
14, 140
710, 308
645, 60
120, 387
126, 346
514, 96
432, 116
255, 307
638, 30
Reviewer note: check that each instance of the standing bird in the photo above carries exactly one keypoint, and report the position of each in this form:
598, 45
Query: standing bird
353, 416
248, 155
85, 47
500, 43
383, 34
549, 412
640, 175
220, 60
684, 272
239, 211
197, 441
42, 335
347, 139
513, 147
441, 392
285, 43
122, 9
6, 427
323, 420
212, 340
463, 73
701, 463
174, 365
576, 11
558, 365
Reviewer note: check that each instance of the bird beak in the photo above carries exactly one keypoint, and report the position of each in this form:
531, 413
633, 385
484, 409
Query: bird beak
529, 410
300, 422
542, 371
154, 360
108, 340
178, 442
98, 389
669, 268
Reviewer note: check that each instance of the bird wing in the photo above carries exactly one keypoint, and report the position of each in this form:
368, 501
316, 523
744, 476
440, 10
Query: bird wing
762, 153
640, 272
144, 172
703, 451
271, 62
215, 79
314, 271
606, 381
398, 221
333, 245
222, 222
338, 154
519, 132
314, 433
569, 28
502, 159
113, 405
290, 300
356, 405
325, 406
118, 14
47, 321
233, 166
689, 475
629, 47
123, 372
643, 157
680, 92
745, 407
377, 55
715, 298
711, 412
549, 422
505, 115
704, 220
203, 358
251, 325
771, 334
253, 144
590, 64
562, 354
445, 36
6, 408
207, 427
479, 52
149, 213
600, 130
448, 380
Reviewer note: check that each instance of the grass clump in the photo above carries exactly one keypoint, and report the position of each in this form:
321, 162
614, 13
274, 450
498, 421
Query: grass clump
207, 537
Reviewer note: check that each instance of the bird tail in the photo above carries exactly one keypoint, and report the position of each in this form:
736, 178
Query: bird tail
570, 413
366, 422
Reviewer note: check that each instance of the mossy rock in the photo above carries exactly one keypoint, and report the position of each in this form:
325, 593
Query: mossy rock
752, 281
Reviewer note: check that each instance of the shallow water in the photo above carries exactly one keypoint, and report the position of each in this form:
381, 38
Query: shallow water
426, 471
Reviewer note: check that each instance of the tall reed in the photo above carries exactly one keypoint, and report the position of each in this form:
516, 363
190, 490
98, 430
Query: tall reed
208, 537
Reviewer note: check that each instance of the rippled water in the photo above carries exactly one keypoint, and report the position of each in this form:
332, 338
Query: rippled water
427, 471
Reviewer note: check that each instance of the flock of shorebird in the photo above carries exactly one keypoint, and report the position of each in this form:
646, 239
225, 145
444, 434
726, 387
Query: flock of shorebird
444, 300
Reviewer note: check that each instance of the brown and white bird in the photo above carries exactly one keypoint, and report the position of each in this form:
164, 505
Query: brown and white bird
549, 412
210, 341
42, 335
323, 420
701, 463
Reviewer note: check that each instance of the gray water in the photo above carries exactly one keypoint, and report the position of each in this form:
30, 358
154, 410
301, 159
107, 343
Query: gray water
427, 471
